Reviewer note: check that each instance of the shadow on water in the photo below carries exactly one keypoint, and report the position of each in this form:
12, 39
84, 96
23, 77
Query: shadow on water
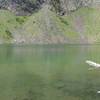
23, 86
29, 87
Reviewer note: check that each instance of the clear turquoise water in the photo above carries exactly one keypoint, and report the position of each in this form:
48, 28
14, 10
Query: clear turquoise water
49, 72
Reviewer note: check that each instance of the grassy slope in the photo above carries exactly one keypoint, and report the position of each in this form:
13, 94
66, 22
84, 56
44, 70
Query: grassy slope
81, 25
49, 24
91, 22
8, 22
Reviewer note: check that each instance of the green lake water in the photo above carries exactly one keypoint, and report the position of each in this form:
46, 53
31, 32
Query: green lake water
49, 72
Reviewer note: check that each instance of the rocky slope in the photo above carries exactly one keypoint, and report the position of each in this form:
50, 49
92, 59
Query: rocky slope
24, 7
21, 7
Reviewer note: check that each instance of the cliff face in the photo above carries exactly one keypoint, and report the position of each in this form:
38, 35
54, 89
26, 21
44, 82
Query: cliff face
21, 7
66, 6
25, 7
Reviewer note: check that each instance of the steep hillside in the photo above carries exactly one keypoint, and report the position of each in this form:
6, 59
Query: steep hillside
46, 27
81, 26
8, 22
49, 21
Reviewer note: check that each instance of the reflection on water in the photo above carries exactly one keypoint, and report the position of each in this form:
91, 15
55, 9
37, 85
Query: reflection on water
49, 72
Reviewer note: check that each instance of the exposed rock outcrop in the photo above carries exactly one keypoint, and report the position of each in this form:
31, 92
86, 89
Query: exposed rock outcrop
25, 7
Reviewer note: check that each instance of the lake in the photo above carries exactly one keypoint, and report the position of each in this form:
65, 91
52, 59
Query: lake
49, 72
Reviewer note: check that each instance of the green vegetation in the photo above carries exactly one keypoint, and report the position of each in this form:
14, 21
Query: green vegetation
9, 22
81, 26
89, 20
21, 19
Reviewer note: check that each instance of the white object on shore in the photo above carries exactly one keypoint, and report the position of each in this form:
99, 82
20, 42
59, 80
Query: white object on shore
93, 64
98, 91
